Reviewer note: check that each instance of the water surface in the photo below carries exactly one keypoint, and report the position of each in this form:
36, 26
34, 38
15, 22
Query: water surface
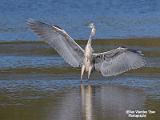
37, 84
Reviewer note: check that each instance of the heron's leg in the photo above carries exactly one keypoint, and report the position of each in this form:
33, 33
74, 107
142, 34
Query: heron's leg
89, 71
82, 71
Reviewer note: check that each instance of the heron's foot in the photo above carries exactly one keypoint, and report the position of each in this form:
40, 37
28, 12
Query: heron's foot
87, 80
81, 80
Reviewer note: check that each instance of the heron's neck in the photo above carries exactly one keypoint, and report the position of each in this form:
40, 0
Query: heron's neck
91, 36
90, 39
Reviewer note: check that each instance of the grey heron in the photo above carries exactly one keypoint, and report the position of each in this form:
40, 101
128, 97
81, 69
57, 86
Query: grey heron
109, 63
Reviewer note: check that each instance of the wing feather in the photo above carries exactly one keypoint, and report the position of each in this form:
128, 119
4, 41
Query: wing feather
118, 60
60, 41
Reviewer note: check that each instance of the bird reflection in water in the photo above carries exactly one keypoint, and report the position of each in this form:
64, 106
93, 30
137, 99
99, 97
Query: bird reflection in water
97, 102
86, 97
108, 101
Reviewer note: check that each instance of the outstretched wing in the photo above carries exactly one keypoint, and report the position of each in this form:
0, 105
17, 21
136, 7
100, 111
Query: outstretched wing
118, 60
60, 41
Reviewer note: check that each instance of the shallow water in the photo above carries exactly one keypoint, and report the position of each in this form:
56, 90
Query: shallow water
36, 84
66, 99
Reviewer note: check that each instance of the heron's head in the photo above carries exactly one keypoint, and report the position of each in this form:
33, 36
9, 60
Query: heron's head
93, 27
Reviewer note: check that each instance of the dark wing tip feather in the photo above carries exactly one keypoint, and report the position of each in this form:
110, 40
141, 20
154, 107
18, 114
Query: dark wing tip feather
31, 22
132, 50
37, 26
123, 47
58, 27
136, 51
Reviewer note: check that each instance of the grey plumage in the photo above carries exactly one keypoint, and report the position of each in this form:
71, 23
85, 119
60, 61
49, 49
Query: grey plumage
109, 63
60, 41
118, 60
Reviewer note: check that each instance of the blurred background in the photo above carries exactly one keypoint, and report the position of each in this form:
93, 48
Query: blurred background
113, 18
